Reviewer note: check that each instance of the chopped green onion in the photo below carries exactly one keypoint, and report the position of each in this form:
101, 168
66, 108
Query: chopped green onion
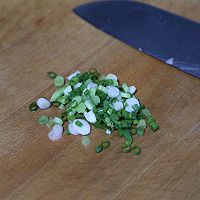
140, 131
125, 95
109, 82
75, 79
84, 77
106, 144
81, 108
73, 103
58, 121
67, 132
114, 117
94, 110
154, 126
63, 100
145, 112
136, 150
133, 131
52, 75
102, 88
128, 142
120, 132
79, 116
136, 107
125, 114
59, 81
33, 107
58, 93
126, 150
92, 92
150, 119
111, 76
142, 123
87, 93
99, 148
124, 146
78, 99
125, 87
56, 103
43, 119
101, 95
61, 107
72, 83
119, 113
78, 123
98, 100
115, 83
93, 71
99, 125
87, 82
68, 90
71, 117
107, 119
110, 111
50, 122
64, 117
127, 135
95, 100
89, 104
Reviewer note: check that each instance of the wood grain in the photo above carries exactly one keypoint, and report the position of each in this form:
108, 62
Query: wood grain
38, 36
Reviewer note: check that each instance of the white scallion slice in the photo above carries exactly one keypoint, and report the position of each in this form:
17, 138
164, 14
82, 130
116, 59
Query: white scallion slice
132, 101
111, 76
108, 132
118, 105
112, 91
129, 109
72, 75
56, 133
84, 129
43, 103
90, 116
67, 90
72, 129
132, 89
77, 85
91, 85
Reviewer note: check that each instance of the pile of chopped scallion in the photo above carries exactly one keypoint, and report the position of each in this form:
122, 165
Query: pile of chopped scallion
90, 98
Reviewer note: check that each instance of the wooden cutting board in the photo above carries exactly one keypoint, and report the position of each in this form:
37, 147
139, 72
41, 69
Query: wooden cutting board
39, 36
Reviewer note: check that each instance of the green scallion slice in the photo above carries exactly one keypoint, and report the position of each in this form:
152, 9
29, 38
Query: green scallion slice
99, 148
140, 131
43, 119
154, 126
81, 108
51, 75
58, 93
136, 150
106, 144
59, 81
33, 107
126, 150
78, 123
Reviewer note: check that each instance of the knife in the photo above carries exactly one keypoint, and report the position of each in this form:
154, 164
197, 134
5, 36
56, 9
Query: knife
172, 39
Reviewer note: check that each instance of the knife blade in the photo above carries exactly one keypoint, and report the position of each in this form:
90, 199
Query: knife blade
170, 38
